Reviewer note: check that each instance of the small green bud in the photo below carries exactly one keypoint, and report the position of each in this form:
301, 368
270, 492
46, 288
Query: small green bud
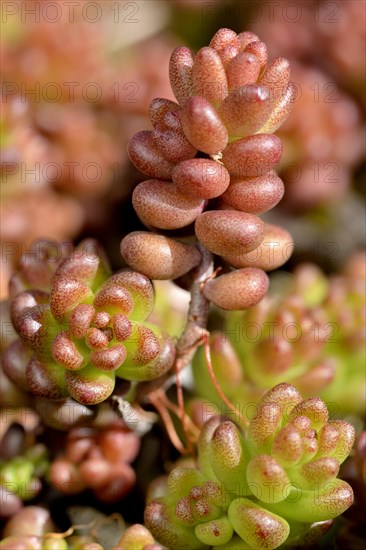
54, 543
215, 532
136, 537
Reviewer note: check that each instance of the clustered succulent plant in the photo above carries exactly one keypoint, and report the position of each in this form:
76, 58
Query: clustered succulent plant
22, 472
97, 459
257, 487
33, 529
83, 355
23, 463
87, 330
304, 165
26, 529
212, 157
310, 332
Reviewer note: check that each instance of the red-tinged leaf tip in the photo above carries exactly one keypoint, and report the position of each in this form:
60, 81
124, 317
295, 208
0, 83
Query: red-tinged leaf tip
89, 386
180, 73
203, 127
96, 339
147, 158
276, 77
247, 37
280, 110
224, 37
114, 299
122, 327
258, 527
173, 145
141, 290
245, 110
259, 49
209, 77
81, 265
66, 294
46, 379
159, 107
313, 408
109, 359
268, 477
80, 320
65, 352
243, 69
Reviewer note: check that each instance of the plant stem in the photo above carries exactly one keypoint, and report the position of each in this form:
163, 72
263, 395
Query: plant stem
194, 330
198, 311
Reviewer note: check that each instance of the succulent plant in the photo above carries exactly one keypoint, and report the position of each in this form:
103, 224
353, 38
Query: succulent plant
314, 40
23, 459
263, 439
313, 175
98, 460
310, 332
33, 529
21, 475
87, 329
26, 528
211, 157
137, 537
257, 487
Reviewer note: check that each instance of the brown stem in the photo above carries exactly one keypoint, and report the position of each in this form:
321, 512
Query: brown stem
192, 337
198, 310
194, 330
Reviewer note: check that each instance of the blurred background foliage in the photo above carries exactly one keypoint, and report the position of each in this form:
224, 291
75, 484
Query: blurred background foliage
77, 80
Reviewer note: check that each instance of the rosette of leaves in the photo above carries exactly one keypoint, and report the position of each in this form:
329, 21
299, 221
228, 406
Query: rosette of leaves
88, 328
37, 265
309, 332
258, 487
21, 475
98, 460
211, 157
